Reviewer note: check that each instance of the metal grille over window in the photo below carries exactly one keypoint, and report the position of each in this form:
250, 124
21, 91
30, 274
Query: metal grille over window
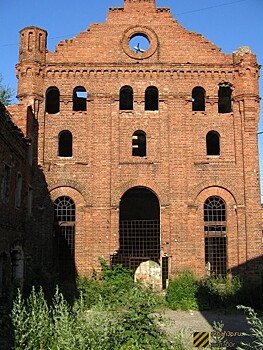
65, 212
139, 228
215, 236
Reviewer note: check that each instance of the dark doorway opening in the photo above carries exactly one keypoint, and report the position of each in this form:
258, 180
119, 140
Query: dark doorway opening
139, 228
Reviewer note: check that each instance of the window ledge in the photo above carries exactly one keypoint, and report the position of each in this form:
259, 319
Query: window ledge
142, 160
214, 160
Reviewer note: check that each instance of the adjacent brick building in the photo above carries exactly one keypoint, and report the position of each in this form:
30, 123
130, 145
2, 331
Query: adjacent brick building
148, 143
15, 198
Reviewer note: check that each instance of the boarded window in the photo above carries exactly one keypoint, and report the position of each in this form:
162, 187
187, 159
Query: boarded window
65, 144
126, 98
215, 236
52, 100
224, 99
151, 99
79, 99
139, 144
198, 99
213, 143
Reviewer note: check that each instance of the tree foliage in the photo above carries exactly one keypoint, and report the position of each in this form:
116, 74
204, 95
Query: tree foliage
6, 93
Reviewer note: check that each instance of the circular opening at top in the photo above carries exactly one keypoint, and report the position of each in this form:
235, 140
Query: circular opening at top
139, 43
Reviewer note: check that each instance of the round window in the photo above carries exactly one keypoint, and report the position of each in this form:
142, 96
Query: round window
139, 43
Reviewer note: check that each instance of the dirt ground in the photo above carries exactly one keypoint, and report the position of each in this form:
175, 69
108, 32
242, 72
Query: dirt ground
188, 322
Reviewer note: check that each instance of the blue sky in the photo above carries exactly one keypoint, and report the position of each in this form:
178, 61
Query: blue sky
227, 23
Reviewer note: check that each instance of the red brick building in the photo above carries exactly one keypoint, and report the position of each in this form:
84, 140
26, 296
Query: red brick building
15, 196
148, 143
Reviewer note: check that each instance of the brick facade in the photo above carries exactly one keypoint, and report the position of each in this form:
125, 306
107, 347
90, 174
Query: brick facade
177, 166
15, 201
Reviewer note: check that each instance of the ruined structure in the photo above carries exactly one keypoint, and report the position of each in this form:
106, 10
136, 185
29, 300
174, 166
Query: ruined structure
15, 197
148, 144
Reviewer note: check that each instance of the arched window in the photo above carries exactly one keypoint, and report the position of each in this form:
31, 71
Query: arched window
215, 236
52, 100
213, 143
139, 144
151, 98
65, 210
65, 144
65, 215
198, 99
126, 98
224, 99
79, 99
17, 265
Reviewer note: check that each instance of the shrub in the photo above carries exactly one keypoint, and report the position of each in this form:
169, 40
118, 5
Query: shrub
217, 292
31, 321
110, 288
181, 292
256, 330
60, 326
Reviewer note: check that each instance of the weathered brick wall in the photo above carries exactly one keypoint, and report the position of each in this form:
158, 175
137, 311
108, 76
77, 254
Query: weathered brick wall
176, 168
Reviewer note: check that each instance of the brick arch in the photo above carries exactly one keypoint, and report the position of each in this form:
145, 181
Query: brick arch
74, 186
70, 192
224, 185
216, 191
158, 190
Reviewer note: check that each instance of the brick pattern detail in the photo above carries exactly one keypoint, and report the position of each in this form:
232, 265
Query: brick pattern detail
176, 167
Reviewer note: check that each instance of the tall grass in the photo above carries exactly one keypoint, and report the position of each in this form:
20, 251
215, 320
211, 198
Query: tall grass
110, 314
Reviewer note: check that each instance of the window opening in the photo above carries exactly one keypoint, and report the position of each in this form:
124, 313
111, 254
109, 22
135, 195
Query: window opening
52, 100
224, 99
215, 236
126, 98
17, 265
65, 144
64, 213
198, 99
139, 228
79, 99
18, 190
29, 200
139, 43
3, 262
5, 187
139, 144
213, 143
151, 98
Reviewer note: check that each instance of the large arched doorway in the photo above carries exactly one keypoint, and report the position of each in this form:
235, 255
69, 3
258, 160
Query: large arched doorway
139, 227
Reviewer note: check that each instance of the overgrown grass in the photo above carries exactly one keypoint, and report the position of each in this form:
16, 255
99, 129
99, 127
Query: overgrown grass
256, 330
187, 292
111, 313
182, 292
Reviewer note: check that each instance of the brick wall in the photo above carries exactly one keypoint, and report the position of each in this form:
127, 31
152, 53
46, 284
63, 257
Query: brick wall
176, 168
